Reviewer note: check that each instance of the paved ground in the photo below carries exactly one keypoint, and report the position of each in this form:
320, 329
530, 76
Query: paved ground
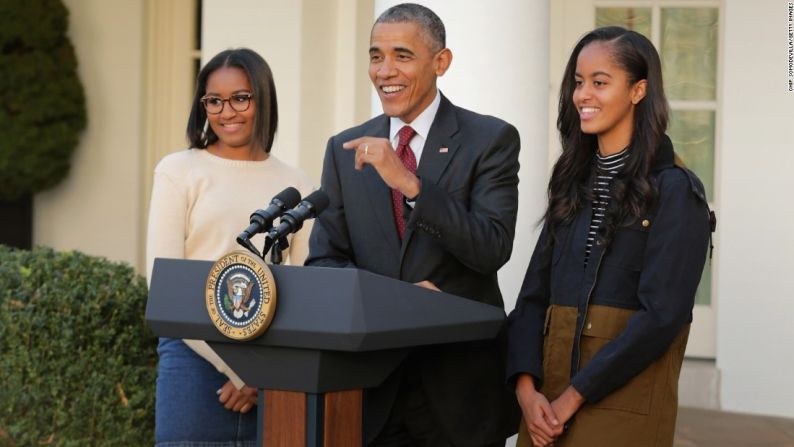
707, 428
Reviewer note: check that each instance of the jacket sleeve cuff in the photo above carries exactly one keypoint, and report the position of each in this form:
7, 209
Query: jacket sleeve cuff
512, 378
519, 361
422, 208
587, 389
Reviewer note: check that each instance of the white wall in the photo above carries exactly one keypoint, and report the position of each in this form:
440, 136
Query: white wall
315, 49
96, 208
500, 67
271, 31
755, 322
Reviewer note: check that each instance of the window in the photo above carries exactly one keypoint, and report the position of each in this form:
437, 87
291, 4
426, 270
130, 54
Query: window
687, 39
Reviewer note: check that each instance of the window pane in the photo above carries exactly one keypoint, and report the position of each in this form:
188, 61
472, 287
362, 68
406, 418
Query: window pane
703, 294
692, 132
635, 19
689, 53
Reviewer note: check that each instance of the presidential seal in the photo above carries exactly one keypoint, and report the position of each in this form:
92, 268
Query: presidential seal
241, 295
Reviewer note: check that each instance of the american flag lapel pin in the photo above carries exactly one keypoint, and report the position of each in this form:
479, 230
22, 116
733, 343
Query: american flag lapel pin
443, 150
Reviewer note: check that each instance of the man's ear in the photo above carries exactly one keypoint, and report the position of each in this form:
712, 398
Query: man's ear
638, 91
442, 61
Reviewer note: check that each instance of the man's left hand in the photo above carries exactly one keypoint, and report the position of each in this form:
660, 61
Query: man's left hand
427, 285
379, 153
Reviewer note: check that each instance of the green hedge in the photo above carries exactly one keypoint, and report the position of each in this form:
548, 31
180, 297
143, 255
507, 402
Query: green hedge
42, 104
78, 364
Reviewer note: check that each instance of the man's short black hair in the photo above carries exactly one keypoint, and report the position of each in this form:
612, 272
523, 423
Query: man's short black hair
430, 23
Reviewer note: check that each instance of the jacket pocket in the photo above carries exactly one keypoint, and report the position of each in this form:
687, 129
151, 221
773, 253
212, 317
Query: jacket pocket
628, 245
602, 325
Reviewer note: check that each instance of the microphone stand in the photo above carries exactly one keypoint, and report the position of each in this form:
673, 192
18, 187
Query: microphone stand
245, 242
276, 256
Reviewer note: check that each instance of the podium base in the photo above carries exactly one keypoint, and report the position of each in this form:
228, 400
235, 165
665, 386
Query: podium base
296, 419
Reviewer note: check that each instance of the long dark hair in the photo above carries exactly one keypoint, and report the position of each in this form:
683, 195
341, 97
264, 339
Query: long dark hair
570, 183
264, 97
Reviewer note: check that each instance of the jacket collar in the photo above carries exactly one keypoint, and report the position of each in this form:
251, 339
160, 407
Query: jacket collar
440, 146
665, 157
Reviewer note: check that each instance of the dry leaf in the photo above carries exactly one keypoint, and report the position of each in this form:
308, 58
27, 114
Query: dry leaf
123, 396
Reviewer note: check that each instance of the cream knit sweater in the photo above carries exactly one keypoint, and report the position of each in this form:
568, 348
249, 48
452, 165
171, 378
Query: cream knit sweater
201, 202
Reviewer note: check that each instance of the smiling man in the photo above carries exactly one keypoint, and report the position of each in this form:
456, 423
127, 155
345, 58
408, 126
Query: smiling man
426, 193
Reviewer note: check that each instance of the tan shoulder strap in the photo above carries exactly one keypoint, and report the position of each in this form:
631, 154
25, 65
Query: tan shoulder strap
677, 160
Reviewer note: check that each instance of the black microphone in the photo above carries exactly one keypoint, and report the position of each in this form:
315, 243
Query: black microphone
262, 220
292, 220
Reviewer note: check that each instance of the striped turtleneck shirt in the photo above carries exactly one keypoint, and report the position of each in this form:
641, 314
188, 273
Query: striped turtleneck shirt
606, 169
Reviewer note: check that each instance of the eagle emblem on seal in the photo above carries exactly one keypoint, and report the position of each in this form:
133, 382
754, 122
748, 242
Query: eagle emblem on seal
240, 302
240, 295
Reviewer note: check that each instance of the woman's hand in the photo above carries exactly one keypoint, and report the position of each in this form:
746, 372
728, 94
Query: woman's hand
542, 423
567, 404
241, 400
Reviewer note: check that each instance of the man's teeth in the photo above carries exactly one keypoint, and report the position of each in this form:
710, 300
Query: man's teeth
392, 88
590, 109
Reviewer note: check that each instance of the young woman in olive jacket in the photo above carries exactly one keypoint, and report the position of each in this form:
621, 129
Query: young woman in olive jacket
596, 341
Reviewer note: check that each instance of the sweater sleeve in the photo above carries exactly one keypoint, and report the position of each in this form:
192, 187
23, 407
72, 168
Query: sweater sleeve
167, 221
201, 348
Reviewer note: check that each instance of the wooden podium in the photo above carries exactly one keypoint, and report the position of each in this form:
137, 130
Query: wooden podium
335, 333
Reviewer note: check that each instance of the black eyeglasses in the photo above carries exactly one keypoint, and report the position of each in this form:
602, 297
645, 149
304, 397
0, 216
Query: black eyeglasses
239, 102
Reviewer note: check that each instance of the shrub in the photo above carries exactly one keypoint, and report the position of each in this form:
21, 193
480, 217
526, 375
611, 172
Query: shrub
42, 106
78, 363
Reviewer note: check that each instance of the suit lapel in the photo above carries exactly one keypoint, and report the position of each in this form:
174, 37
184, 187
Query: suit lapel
379, 194
439, 149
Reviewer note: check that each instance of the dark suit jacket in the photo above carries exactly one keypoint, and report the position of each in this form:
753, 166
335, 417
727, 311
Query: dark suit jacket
458, 235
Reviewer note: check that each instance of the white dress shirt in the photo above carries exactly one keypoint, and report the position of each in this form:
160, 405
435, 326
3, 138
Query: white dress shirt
421, 125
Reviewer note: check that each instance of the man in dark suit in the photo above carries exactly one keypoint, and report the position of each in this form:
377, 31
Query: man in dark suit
447, 224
